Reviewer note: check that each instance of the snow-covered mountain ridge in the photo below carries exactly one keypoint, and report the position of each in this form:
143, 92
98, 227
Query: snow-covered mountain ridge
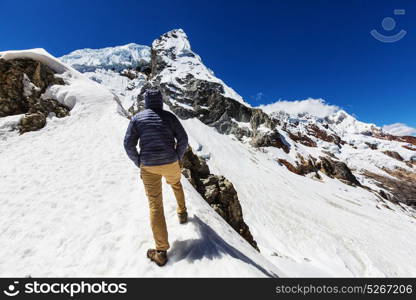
322, 195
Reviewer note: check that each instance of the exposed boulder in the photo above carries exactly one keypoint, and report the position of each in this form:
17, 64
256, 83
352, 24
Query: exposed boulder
303, 166
372, 146
218, 191
330, 167
337, 169
393, 154
289, 166
409, 148
32, 122
130, 74
270, 139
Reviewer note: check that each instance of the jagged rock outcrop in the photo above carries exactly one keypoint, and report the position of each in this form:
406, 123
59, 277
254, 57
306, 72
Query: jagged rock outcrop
303, 166
331, 168
390, 137
337, 169
22, 83
393, 154
372, 146
401, 189
270, 139
321, 134
32, 122
302, 139
130, 74
218, 191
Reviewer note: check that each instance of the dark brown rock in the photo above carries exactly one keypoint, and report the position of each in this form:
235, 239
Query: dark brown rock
218, 191
22, 82
321, 134
270, 139
302, 167
372, 146
301, 138
32, 122
394, 154
337, 169
402, 188
130, 74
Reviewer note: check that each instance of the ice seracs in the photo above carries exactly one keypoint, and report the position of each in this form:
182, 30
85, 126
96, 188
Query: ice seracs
118, 58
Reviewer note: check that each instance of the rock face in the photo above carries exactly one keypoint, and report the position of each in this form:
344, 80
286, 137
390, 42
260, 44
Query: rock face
402, 188
218, 191
331, 168
394, 155
317, 132
337, 169
303, 166
22, 83
302, 138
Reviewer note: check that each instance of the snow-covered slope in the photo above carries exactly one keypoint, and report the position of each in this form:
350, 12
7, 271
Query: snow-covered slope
72, 204
91, 210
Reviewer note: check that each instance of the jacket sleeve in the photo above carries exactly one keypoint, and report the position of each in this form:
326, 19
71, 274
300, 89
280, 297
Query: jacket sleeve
130, 143
180, 136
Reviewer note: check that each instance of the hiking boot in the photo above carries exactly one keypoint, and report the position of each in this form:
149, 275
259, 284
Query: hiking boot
158, 256
183, 217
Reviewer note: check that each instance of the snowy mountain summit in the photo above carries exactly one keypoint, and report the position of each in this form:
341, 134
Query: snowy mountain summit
295, 188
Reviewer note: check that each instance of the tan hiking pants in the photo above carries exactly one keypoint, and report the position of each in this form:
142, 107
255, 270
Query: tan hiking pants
152, 180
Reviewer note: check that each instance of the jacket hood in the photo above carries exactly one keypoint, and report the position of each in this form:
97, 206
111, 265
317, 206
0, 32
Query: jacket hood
153, 99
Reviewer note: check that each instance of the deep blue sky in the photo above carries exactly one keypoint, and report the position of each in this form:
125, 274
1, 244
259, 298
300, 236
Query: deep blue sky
290, 49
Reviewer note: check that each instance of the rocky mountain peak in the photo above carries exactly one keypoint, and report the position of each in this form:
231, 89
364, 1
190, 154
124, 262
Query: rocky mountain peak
175, 41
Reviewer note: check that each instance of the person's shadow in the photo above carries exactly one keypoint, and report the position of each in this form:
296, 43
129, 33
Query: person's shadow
211, 246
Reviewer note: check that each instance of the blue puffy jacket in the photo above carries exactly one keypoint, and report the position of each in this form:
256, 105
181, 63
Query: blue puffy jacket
157, 130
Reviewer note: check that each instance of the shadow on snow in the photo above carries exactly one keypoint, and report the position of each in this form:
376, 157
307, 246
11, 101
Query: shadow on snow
211, 246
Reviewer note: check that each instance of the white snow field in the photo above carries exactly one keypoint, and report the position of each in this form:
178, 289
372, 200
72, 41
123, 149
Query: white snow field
72, 204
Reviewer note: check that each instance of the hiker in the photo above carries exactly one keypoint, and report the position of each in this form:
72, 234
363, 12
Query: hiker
160, 155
